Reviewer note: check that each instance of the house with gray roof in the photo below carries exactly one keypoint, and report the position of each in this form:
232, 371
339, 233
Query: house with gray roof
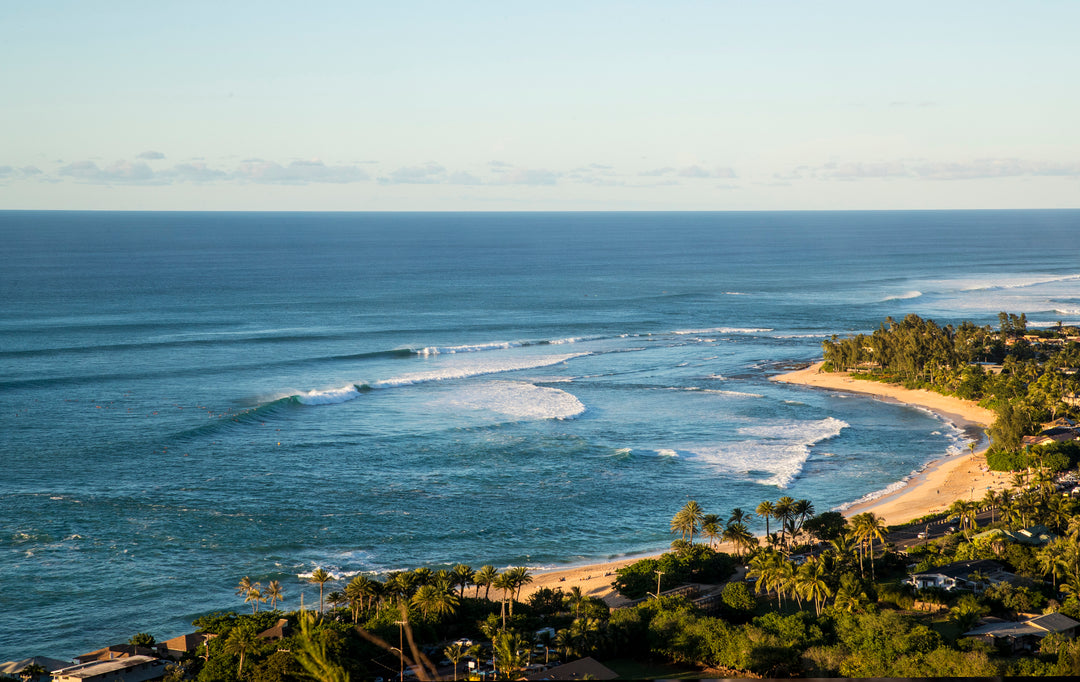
1026, 635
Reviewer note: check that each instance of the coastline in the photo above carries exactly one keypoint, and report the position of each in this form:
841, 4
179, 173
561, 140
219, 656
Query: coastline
931, 490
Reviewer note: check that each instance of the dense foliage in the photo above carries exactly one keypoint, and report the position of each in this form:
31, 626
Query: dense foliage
1026, 377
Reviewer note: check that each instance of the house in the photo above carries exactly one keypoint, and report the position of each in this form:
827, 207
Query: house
955, 576
176, 647
1036, 536
587, 668
1024, 636
113, 652
279, 631
127, 669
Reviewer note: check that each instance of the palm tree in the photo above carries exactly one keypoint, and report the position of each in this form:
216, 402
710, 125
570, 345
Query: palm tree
765, 510
275, 593
254, 596
576, 599
241, 638
867, 527
485, 577
336, 599
687, 520
784, 512
454, 653
356, 592
422, 576
243, 586
850, 595
432, 600
519, 577
505, 584
802, 509
463, 576
511, 651
321, 577
738, 516
810, 582
992, 500
739, 536
710, 528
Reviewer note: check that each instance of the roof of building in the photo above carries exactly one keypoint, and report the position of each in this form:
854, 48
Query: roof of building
98, 668
279, 631
1054, 622
1037, 627
115, 651
186, 642
580, 669
962, 569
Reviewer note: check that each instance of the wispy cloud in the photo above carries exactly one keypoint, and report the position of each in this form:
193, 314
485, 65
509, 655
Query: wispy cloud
692, 172
298, 173
151, 156
119, 172
977, 169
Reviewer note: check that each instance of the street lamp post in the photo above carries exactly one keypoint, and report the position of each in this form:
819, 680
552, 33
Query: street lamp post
401, 652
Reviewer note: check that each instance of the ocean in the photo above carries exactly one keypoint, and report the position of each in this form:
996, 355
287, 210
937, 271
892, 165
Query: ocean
190, 398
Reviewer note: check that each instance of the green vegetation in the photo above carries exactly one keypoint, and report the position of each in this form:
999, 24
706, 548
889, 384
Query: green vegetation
1026, 377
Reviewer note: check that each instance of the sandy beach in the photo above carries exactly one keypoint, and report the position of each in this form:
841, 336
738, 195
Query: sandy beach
943, 481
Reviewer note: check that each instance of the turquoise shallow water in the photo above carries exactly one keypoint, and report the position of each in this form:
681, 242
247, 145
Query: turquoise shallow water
193, 397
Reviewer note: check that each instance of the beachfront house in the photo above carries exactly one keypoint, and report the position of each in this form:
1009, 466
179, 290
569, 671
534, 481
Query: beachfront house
957, 576
1024, 636
127, 669
176, 647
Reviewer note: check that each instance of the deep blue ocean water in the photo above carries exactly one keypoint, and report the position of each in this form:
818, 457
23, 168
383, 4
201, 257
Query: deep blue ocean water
189, 398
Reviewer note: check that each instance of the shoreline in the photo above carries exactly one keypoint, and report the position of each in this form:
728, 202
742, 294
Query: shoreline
930, 490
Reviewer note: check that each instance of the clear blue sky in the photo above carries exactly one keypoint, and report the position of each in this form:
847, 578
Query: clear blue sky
539, 106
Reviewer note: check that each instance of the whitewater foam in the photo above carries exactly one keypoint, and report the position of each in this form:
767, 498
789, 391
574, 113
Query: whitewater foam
520, 399
776, 453
721, 330
349, 392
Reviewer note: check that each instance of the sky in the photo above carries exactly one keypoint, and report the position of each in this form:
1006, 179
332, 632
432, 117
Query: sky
476, 106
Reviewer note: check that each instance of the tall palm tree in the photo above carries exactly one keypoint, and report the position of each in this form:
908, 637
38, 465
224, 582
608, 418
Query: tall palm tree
274, 593
810, 581
485, 577
240, 640
321, 577
463, 577
802, 510
687, 520
519, 577
738, 516
867, 527
254, 596
784, 512
505, 584
765, 510
356, 592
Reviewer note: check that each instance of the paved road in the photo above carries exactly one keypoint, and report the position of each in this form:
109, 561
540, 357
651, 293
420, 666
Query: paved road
906, 536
